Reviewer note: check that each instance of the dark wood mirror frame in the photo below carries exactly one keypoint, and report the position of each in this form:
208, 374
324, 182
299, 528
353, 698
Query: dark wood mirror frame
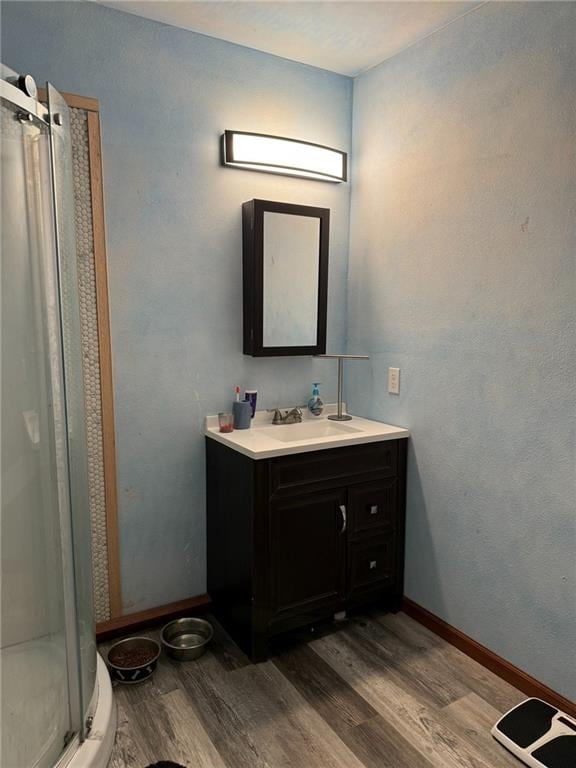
253, 276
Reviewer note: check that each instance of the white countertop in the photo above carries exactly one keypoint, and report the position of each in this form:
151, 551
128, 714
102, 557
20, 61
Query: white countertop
265, 440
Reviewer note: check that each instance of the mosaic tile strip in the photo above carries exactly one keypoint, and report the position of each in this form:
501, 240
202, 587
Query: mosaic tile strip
91, 360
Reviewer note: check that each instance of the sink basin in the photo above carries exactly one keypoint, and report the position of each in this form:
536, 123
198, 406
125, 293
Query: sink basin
308, 430
265, 440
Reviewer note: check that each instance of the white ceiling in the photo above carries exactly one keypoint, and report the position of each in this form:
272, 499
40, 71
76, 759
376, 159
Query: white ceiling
345, 37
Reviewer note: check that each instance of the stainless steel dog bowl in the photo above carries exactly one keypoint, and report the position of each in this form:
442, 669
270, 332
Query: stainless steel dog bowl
134, 659
186, 639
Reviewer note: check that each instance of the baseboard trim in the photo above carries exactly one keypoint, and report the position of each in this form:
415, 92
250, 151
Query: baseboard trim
504, 669
132, 622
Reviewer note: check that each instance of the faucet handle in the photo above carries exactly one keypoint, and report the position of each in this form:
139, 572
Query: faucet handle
277, 419
293, 416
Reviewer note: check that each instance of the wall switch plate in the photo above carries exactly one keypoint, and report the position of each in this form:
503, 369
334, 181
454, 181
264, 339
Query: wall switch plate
394, 381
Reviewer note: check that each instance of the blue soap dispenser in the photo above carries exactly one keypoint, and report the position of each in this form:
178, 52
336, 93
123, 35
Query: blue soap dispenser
316, 404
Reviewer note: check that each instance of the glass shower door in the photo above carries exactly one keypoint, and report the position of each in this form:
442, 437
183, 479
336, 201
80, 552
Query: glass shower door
61, 145
36, 699
47, 638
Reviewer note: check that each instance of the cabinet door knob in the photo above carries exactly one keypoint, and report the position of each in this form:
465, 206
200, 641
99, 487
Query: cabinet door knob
344, 520
374, 509
373, 564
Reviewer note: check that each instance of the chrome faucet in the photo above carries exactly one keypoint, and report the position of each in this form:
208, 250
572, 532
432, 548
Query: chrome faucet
292, 416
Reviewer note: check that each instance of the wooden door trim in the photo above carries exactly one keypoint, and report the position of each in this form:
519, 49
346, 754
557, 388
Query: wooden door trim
134, 622
92, 107
87, 103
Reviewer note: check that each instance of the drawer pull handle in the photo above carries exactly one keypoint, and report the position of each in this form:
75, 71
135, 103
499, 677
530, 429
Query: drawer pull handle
373, 564
374, 509
344, 519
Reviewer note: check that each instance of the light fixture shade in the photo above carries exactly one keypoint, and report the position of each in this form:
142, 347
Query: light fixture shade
289, 157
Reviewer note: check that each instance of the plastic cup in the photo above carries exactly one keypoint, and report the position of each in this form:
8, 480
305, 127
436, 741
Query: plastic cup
226, 422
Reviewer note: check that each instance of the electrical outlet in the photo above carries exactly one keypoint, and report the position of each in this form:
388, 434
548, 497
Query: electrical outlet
394, 381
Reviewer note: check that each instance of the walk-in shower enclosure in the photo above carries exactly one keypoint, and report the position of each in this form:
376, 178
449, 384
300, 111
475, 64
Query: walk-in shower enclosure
55, 694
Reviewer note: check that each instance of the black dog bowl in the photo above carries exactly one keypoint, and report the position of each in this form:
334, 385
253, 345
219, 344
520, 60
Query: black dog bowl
133, 660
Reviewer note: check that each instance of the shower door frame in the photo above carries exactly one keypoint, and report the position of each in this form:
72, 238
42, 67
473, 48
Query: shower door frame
32, 109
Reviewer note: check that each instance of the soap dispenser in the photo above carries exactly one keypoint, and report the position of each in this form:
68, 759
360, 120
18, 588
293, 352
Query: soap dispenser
316, 404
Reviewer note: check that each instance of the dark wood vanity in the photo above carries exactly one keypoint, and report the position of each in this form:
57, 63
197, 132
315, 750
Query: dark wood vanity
297, 538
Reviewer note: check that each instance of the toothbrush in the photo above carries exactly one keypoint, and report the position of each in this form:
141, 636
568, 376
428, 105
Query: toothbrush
237, 390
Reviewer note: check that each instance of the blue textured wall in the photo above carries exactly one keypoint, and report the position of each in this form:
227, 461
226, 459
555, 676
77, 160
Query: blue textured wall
462, 273
173, 220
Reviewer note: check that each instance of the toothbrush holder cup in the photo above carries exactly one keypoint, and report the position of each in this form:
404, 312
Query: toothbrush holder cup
242, 414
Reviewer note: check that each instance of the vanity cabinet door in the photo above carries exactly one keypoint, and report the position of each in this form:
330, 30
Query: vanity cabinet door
307, 551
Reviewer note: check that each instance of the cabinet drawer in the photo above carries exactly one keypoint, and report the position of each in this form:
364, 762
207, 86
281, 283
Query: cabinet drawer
373, 505
371, 563
337, 464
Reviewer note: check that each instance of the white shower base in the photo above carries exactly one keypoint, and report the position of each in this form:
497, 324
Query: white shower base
34, 706
96, 750
36, 668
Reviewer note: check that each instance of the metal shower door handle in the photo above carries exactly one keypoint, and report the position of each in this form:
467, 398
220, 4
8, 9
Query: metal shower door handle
344, 519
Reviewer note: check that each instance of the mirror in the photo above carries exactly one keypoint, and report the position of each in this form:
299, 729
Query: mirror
285, 266
290, 313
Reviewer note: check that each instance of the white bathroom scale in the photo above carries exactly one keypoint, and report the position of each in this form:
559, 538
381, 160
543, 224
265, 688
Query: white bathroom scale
538, 734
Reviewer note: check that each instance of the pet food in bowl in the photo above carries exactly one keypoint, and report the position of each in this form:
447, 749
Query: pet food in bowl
133, 660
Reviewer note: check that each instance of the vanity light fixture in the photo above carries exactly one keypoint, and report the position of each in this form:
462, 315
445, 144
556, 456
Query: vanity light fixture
289, 157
